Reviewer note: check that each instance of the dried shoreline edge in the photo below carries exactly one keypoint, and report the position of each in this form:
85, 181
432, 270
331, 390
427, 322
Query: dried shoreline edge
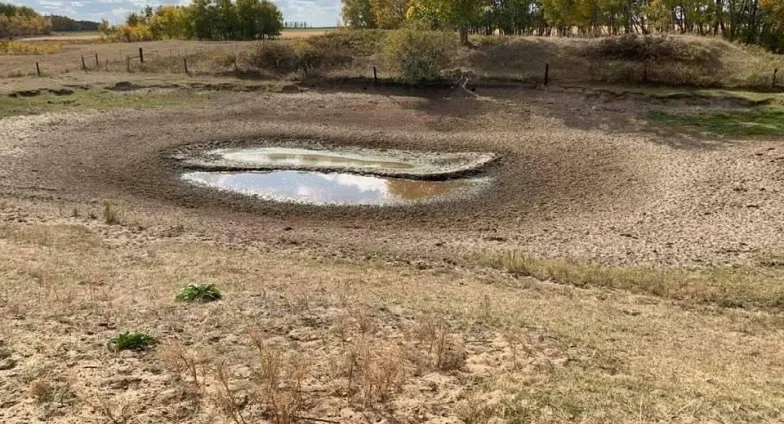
428, 165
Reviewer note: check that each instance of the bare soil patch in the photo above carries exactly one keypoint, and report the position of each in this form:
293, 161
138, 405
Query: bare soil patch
565, 186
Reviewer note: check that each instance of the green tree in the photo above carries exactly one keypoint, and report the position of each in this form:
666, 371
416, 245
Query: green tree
227, 21
389, 14
169, 22
201, 17
449, 14
358, 14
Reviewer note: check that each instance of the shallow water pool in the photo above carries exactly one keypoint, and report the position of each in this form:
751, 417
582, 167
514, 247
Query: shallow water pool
323, 188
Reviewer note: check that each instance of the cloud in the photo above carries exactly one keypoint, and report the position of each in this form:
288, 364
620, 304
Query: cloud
314, 12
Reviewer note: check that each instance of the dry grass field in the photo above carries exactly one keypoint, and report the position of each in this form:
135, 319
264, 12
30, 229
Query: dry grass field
624, 266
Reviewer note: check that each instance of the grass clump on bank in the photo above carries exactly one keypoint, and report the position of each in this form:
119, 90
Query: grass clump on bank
756, 122
131, 340
727, 287
38, 103
199, 293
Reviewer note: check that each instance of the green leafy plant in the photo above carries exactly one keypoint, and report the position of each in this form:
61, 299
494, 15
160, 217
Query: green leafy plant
132, 340
198, 293
419, 55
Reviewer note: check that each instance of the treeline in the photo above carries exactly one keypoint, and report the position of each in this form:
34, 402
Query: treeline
202, 19
750, 21
295, 24
66, 24
21, 21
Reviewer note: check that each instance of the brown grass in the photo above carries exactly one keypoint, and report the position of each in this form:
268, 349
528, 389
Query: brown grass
672, 60
405, 341
725, 286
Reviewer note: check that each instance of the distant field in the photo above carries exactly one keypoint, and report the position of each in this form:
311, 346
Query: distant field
93, 35
66, 36
305, 32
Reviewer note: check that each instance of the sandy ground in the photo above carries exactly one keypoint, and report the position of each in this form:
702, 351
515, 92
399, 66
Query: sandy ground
364, 314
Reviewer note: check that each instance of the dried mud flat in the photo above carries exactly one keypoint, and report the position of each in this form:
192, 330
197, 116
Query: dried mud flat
367, 314
577, 177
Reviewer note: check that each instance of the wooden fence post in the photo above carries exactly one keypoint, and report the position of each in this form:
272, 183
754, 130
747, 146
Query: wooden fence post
128, 64
775, 72
375, 77
141, 55
84, 67
97, 65
546, 73
185, 62
37, 69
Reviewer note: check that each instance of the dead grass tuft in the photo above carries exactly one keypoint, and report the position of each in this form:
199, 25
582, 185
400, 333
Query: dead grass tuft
111, 214
45, 391
727, 287
40, 390
114, 412
374, 371
225, 398
447, 350
279, 378
190, 367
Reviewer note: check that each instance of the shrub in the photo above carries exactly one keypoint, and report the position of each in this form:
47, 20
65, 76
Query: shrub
198, 293
634, 47
302, 55
131, 340
419, 55
28, 48
355, 42
276, 56
310, 57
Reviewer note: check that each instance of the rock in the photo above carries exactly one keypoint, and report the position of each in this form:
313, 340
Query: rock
7, 404
61, 91
7, 364
289, 89
123, 86
25, 93
123, 383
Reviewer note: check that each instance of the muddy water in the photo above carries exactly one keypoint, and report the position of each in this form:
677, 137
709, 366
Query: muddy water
334, 188
287, 157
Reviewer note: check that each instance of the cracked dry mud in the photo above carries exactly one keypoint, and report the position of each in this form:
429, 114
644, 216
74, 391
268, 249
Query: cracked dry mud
577, 176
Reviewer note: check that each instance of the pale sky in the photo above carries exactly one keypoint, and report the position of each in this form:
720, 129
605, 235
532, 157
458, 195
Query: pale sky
314, 12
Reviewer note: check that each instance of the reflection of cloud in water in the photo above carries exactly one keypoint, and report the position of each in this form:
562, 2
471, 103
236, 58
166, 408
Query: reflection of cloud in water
362, 183
319, 188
